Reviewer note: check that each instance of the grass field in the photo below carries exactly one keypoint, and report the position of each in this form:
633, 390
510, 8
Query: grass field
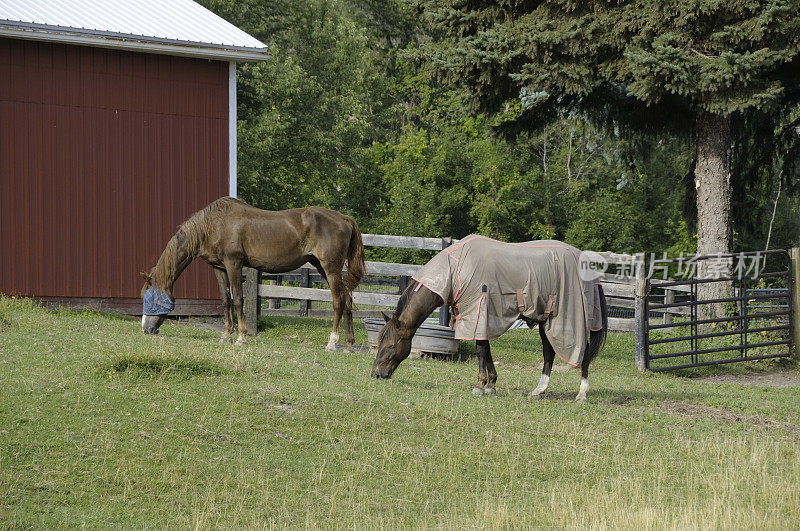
102, 426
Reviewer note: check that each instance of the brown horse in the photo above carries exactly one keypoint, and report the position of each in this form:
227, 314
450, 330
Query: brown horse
229, 234
417, 303
490, 284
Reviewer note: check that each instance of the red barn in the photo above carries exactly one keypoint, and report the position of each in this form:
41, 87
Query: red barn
117, 121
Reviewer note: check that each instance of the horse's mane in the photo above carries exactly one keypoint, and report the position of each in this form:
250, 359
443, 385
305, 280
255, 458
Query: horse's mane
404, 298
189, 237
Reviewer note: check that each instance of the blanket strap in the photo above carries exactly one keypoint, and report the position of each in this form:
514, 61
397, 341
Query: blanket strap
549, 307
520, 302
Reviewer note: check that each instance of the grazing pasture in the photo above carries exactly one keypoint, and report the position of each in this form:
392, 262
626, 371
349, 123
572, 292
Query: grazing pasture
101, 425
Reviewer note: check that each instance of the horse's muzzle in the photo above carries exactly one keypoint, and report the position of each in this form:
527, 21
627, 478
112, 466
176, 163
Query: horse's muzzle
381, 375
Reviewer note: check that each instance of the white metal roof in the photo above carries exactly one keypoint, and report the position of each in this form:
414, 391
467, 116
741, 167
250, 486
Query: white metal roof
179, 27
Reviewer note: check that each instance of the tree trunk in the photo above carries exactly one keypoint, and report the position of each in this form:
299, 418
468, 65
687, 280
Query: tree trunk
712, 178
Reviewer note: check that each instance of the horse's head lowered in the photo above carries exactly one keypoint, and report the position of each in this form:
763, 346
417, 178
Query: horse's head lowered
394, 345
156, 304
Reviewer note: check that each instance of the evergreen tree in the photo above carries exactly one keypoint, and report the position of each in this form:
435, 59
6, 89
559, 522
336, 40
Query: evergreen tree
691, 66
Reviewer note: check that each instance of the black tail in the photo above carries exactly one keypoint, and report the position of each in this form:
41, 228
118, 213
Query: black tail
597, 338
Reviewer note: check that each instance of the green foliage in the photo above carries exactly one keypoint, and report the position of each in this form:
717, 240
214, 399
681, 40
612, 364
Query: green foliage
307, 114
427, 194
359, 109
634, 67
568, 182
725, 57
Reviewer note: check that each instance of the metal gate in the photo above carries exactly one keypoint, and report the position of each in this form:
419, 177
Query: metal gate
687, 328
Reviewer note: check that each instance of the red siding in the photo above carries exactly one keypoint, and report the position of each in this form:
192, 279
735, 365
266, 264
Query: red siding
102, 155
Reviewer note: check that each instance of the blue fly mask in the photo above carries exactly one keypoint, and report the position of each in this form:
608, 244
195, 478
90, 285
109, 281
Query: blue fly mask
156, 302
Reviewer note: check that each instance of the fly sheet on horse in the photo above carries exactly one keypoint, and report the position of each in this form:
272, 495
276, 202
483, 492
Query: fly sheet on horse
490, 284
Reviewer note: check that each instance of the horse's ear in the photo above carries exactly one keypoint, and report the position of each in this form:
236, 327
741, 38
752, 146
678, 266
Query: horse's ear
387, 317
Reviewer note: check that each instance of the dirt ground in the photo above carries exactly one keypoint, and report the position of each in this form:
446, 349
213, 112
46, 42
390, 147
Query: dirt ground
702, 411
768, 379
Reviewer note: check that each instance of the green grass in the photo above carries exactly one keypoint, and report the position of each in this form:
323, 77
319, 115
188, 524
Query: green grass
102, 426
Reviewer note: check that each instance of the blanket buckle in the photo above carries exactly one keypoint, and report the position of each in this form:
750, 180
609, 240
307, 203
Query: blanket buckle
520, 301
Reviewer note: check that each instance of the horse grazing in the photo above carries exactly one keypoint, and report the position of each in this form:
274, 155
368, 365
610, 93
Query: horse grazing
489, 285
229, 234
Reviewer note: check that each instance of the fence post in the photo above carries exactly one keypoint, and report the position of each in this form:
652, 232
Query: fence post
640, 314
305, 282
795, 317
444, 311
669, 298
402, 283
251, 303
275, 304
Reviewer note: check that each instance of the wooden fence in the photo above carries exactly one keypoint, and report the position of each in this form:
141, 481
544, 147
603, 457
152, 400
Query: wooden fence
379, 289
384, 281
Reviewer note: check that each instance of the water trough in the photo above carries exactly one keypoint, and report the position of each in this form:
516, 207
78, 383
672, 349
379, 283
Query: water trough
429, 339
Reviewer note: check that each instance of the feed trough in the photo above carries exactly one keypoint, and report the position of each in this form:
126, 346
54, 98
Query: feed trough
429, 338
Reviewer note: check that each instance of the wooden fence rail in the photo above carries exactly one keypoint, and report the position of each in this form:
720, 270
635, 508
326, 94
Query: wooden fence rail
620, 289
380, 274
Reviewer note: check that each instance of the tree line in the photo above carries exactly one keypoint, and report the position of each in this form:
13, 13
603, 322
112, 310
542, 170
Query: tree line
527, 120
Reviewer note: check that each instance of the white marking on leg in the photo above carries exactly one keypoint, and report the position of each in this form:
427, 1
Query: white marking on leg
331, 346
582, 391
143, 318
544, 381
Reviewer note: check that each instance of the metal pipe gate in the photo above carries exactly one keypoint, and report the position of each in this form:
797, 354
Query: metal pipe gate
757, 323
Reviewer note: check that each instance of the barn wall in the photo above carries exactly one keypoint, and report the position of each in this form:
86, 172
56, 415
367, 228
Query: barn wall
102, 154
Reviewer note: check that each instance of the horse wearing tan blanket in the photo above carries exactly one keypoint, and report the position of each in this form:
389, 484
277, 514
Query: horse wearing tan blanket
490, 284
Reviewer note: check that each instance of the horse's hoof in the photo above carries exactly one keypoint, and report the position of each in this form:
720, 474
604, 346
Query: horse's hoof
332, 340
241, 341
225, 339
478, 391
348, 347
535, 396
490, 391
580, 399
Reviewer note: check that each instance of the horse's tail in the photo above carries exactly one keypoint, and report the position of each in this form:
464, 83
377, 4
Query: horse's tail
355, 259
597, 338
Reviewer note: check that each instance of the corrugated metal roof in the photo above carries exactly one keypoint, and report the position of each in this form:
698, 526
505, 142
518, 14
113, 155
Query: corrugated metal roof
180, 26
